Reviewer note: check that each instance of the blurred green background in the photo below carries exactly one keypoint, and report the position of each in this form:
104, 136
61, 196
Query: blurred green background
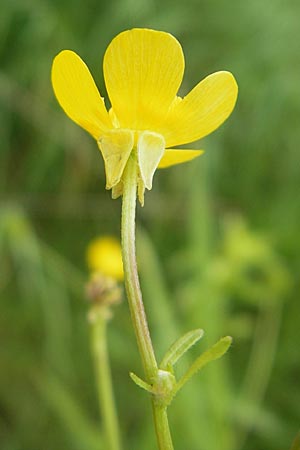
218, 239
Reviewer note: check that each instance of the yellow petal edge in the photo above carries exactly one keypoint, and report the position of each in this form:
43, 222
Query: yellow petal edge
203, 110
175, 156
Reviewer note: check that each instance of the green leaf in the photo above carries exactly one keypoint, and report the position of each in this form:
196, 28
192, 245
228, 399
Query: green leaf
141, 383
179, 347
296, 443
215, 352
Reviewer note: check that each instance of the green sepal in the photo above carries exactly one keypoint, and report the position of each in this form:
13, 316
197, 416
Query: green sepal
141, 383
215, 352
182, 345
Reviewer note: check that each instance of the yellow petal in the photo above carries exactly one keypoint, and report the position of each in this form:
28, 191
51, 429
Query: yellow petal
174, 156
115, 146
150, 148
143, 70
77, 93
203, 110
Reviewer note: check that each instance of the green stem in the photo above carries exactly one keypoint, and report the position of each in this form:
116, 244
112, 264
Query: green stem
104, 383
262, 356
162, 428
132, 284
135, 300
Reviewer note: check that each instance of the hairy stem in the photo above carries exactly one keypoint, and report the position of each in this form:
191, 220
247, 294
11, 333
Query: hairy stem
162, 427
135, 300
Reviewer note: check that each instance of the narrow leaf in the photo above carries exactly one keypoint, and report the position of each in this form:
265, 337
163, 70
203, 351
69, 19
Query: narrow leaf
215, 352
141, 383
179, 347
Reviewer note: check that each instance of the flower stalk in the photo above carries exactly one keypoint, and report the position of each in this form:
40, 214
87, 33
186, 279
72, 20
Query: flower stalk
138, 315
98, 319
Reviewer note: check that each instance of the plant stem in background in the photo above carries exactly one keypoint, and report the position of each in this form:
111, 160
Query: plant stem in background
262, 356
103, 377
135, 300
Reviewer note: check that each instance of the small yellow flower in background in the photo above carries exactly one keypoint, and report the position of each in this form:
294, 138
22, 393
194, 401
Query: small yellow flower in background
105, 257
103, 293
143, 70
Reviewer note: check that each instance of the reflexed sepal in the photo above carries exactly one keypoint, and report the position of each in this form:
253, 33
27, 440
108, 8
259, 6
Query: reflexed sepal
141, 191
150, 149
117, 190
115, 146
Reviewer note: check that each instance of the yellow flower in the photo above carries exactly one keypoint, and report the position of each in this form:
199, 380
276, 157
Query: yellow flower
143, 70
104, 256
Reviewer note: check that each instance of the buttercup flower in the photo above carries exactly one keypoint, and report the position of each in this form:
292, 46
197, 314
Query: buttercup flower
104, 256
143, 70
